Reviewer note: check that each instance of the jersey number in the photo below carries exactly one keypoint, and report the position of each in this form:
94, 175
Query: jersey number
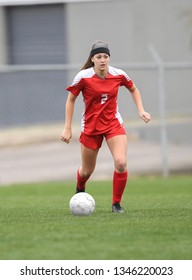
104, 98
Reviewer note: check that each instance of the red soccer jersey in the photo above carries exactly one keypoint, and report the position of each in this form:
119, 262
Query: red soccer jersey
100, 99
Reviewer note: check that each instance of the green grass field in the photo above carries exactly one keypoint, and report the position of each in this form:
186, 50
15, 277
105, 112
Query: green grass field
35, 222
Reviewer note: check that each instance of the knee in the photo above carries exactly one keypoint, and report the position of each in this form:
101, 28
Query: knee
120, 165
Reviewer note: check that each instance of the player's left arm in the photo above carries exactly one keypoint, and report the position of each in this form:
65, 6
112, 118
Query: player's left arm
138, 101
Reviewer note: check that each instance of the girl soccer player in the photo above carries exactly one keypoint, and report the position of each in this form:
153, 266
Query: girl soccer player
99, 84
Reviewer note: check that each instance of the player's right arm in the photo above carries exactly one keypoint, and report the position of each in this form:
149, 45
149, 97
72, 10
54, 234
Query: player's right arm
66, 135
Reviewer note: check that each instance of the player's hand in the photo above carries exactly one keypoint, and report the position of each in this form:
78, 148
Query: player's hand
145, 116
66, 135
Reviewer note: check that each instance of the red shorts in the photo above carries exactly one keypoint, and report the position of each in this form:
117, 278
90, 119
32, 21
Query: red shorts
94, 142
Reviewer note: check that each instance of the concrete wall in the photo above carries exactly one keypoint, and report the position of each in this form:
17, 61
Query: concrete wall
129, 26
3, 38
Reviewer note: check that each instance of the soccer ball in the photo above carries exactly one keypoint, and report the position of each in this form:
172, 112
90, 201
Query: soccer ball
82, 204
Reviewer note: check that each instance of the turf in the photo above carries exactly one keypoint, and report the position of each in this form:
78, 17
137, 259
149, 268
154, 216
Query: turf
35, 222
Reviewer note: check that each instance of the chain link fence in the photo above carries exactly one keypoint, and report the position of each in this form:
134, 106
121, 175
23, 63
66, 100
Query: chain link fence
31, 96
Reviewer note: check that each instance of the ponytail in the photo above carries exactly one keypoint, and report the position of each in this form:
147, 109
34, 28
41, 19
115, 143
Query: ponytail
88, 63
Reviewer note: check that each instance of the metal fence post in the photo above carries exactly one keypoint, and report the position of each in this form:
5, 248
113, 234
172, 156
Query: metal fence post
161, 94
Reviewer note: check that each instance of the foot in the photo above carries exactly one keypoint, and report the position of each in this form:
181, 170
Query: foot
116, 208
78, 190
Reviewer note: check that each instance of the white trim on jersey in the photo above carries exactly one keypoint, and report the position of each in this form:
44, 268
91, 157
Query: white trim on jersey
115, 72
90, 72
86, 73
83, 121
118, 116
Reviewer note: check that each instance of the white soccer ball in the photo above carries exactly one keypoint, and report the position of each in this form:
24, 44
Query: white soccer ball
82, 204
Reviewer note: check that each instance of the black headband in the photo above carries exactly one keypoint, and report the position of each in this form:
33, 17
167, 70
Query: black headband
99, 50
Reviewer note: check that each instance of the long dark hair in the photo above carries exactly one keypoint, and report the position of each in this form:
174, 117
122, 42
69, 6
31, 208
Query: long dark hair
89, 63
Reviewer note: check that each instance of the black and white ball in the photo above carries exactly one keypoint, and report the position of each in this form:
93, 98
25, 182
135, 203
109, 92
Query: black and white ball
82, 204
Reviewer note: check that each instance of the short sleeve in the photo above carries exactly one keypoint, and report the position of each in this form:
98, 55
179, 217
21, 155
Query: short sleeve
126, 81
77, 84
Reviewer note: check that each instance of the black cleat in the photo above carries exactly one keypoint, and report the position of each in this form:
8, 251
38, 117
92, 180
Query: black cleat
78, 190
116, 208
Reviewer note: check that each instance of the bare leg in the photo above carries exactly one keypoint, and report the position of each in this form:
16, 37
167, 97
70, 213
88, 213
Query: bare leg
88, 158
118, 148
